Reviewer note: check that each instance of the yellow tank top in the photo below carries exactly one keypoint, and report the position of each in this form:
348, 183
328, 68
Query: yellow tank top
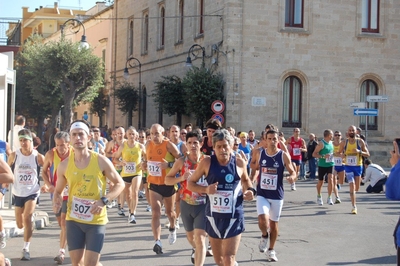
85, 186
132, 157
352, 158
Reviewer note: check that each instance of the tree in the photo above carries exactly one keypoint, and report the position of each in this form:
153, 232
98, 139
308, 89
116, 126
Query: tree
202, 87
99, 104
60, 72
169, 94
127, 97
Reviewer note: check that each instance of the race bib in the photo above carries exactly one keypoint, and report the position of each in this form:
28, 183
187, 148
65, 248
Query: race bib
154, 168
329, 159
351, 160
130, 168
296, 151
25, 177
221, 201
80, 209
338, 161
269, 180
202, 181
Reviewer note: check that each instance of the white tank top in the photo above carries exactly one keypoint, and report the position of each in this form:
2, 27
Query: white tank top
26, 175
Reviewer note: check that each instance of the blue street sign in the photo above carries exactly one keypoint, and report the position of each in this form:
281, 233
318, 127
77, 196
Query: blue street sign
369, 112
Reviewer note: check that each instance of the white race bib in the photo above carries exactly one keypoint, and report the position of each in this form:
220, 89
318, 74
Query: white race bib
221, 201
351, 160
80, 209
296, 151
329, 159
338, 161
268, 181
130, 168
25, 177
154, 168
202, 181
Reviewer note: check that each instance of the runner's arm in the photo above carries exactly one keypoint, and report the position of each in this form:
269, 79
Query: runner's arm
254, 165
171, 179
6, 175
61, 183
171, 148
245, 180
202, 169
112, 175
48, 158
289, 167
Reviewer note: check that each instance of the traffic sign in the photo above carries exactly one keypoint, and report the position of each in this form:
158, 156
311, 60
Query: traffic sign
377, 98
217, 107
369, 112
358, 105
219, 117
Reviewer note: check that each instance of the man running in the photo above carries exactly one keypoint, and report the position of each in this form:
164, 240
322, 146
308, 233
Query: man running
51, 161
161, 154
268, 165
85, 172
192, 204
227, 186
211, 125
25, 163
353, 149
296, 145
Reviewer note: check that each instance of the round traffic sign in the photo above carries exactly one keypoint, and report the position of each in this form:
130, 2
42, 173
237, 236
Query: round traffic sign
217, 107
220, 117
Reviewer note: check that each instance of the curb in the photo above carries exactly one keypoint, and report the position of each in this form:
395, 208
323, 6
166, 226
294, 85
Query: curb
41, 221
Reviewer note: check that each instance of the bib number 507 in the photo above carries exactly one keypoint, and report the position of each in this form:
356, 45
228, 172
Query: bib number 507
81, 208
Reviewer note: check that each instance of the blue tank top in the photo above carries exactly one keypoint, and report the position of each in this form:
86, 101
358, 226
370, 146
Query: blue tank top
246, 150
227, 202
270, 177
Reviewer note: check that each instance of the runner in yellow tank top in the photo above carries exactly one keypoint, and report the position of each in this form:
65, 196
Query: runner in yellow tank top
86, 173
131, 153
352, 150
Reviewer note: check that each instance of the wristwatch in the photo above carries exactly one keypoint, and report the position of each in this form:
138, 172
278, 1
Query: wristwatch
104, 200
170, 165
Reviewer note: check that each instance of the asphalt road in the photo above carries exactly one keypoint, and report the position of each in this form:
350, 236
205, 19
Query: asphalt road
309, 235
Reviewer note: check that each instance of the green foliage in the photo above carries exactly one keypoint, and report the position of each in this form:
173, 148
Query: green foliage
59, 72
127, 97
202, 87
99, 104
169, 95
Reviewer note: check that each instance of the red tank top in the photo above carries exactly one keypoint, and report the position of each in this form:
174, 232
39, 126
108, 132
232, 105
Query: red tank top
188, 196
295, 148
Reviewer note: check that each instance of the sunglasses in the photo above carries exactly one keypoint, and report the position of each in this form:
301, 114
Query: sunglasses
337, 135
183, 133
142, 137
236, 144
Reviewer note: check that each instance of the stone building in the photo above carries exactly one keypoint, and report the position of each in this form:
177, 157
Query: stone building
293, 63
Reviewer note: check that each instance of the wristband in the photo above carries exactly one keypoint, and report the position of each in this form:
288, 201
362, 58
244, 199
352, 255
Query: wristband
252, 189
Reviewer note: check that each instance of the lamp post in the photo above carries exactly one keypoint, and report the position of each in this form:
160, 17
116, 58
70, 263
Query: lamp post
133, 62
84, 44
191, 51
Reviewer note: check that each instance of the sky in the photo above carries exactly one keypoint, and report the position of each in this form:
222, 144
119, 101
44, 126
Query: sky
12, 9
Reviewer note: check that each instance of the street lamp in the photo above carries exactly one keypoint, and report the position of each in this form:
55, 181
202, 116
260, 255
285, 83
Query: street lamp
133, 62
83, 44
191, 51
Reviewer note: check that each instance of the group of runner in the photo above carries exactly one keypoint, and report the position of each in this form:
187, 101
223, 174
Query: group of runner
202, 180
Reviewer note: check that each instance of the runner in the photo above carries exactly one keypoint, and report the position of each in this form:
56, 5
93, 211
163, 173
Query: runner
211, 125
51, 161
269, 165
85, 172
296, 145
6, 177
338, 173
192, 204
131, 153
26, 163
228, 185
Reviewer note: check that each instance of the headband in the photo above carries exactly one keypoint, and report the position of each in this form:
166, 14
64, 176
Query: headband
25, 137
79, 125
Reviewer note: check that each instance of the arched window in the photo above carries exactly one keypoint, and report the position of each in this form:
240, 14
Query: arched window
162, 27
130, 38
292, 102
369, 87
180, 23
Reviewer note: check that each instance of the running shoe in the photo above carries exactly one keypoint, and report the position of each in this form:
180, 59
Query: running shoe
148, 208
209, 252
172, 236
2, 240
109, 205
354, 210
114, 203
293, 187
272, 255
177, 223
337, 201
132, 219
192, 256
158, 247
338, 186
25, 255
319, 200
141, 194
329, 201
59, 258
263, 244
121, 212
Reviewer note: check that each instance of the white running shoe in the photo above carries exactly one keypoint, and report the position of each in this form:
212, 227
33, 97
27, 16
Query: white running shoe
172, 237
272, 255
148, 208
293, 187
320, 201
263, 244
337, 201
329, 201
158, 247
132, 219
2, 240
